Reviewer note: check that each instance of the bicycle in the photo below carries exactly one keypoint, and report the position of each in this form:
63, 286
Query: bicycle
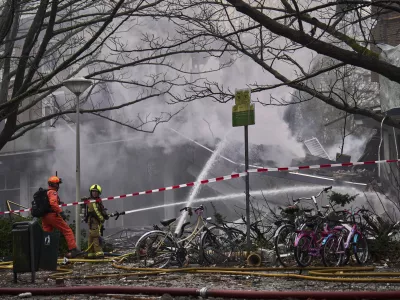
234, 240
160, 248
157, 248
257, 233
307, 244
334, 245
285, 234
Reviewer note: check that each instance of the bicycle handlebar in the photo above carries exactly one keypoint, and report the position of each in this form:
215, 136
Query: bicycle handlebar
325, 190
194, 208
311, 198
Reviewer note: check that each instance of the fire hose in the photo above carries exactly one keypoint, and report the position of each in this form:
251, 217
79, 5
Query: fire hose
314, 273
200, 292
336, 274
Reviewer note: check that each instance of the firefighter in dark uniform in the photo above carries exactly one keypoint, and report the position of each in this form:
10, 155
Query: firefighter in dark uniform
95, 216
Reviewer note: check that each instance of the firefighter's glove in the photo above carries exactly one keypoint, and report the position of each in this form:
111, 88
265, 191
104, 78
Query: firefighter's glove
85, 198
62, 215
106, 217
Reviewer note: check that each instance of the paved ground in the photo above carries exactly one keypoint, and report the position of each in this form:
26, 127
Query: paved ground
214, 281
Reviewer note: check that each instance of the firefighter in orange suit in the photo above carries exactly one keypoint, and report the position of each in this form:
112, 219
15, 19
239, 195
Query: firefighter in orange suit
56, 218
95, 217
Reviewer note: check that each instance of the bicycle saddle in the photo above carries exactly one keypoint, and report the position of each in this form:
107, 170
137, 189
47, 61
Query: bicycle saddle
167, 222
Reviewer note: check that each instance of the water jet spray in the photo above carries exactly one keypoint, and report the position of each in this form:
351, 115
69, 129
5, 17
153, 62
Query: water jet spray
197, 186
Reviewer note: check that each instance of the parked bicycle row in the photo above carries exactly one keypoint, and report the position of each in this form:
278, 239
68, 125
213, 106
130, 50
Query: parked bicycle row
303, 235
329, 234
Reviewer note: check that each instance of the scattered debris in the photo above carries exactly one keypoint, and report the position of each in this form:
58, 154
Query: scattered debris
25, 295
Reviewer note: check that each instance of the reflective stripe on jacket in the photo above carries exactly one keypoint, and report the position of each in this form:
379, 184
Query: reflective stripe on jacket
96, 209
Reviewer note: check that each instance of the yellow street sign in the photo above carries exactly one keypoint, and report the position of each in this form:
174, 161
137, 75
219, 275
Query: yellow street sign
243, 111
242, 97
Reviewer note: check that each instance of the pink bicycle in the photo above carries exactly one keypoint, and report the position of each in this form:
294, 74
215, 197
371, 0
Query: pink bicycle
307, 244
337, 246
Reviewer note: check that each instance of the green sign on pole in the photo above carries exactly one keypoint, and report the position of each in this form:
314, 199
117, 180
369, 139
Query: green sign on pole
243, 115
243, 111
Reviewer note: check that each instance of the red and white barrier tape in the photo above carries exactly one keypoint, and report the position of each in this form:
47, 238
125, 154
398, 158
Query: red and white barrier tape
174, 187
349, 164
222, 178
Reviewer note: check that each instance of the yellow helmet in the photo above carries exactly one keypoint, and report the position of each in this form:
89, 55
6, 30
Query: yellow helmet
95, 187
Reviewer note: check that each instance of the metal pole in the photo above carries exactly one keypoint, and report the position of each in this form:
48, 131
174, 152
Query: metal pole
246, 158
78, 179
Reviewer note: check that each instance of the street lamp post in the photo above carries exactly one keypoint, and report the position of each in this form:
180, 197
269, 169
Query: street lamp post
77, 86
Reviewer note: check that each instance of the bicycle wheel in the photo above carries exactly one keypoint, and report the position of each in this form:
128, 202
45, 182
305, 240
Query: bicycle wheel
332, 251
302, 251
360, 248
221, 245
284, 245
155, 249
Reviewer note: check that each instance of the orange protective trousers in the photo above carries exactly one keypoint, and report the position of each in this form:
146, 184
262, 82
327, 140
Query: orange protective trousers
53, 220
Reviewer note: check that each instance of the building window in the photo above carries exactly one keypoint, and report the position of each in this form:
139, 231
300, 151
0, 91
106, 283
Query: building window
12, 180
